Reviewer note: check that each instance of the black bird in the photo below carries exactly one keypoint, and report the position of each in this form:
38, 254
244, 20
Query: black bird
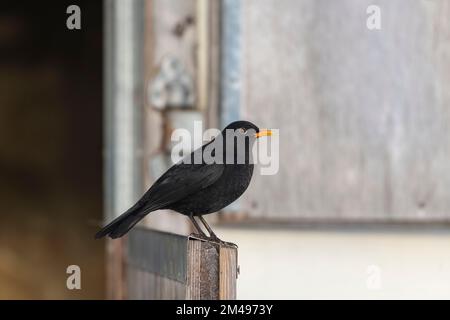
197, 189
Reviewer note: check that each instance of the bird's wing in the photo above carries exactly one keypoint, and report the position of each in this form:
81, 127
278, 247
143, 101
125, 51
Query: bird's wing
178, 182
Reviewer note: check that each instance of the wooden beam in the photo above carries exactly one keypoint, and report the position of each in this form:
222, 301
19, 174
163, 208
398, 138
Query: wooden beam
228, 272
169, 266
122, 114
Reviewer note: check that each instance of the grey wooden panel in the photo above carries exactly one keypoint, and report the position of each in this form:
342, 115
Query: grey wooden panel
364, 115
143, 285
161, 253
169, 266
162, 18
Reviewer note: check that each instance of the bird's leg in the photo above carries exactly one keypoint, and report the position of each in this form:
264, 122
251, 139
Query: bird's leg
212, 235
199, 230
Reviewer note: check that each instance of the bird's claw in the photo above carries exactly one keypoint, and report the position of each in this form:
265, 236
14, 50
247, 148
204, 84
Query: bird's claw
216, 239
199, 236
213, 239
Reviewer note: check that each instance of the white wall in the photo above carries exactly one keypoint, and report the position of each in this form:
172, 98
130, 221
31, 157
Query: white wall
301, 264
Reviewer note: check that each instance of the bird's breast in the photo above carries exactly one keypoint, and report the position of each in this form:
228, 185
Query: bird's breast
228, 188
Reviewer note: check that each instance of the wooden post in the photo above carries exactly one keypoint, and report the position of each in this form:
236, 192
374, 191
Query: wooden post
228, 272
168, 266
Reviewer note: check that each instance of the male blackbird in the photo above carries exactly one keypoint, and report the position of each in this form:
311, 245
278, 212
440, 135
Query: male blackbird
195, 188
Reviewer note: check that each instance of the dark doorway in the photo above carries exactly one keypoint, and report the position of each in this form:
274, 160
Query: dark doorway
50, 149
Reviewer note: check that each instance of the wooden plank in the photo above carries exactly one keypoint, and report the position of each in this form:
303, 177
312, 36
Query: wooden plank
144, 285
228, 272
123, 172
203, 275
161, 19
210, 269
193, 274
158, 252
214, 72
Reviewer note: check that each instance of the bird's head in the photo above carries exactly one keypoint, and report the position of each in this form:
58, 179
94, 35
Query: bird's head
246, 128
240, 136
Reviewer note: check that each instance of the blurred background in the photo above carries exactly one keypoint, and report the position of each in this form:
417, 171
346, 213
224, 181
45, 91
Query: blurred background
359, 89
50, 149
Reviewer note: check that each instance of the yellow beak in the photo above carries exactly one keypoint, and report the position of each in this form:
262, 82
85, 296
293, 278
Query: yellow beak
263, 133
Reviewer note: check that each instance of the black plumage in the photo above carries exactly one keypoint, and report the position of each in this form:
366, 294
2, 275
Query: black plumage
196, 189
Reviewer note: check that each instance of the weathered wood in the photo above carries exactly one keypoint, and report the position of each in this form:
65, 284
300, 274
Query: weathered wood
123, 98
169, 266
193, 276
161, 20
212, 270
228, 273
209, 51
203, 275
150, 286
363, 115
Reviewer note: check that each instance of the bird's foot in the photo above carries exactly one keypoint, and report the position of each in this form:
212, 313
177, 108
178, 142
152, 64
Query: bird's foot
213, 239
216, 239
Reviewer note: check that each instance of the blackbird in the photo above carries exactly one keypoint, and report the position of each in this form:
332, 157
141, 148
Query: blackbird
195, 188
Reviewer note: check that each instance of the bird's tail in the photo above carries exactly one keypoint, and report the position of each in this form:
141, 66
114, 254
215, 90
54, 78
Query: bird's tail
123, 223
